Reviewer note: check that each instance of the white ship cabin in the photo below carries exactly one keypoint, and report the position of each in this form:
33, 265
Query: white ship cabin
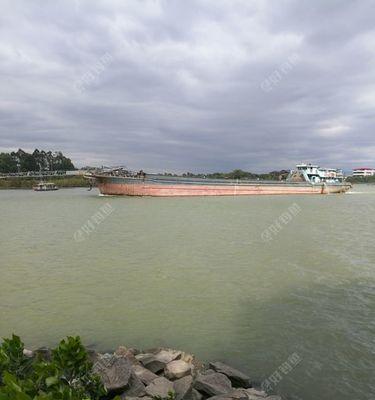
315, 174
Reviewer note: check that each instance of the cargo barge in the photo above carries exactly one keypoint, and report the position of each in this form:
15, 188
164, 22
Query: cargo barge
306, 179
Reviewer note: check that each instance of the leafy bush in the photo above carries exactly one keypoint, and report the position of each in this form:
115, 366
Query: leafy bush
171, 396
68, 376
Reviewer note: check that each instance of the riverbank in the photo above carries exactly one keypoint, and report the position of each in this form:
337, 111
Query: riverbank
165, 373
28, 183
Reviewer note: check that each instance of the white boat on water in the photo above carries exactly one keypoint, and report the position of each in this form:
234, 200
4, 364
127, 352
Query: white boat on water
45, 187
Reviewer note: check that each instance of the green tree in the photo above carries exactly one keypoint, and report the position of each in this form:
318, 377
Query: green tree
38, 160
7, 163
68, 376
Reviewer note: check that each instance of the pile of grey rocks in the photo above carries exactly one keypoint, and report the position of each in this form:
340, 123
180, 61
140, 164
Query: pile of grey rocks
167, 373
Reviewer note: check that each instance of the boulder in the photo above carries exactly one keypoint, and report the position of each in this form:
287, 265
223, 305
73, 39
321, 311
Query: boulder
229, 396
237, 378
128, 353
44, 353
242, 394
144, 374
159, 387
28, 353
121, 351
253, 392
126, 397
177, 369
190, 359
152, 350
213, 383
208, 371
150, 362
195, 395
92, 355
114, 371
133, 350
168, 355
124, 351
245, 394
183, 388
135, 387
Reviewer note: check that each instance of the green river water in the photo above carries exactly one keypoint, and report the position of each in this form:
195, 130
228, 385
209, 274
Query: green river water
242, 280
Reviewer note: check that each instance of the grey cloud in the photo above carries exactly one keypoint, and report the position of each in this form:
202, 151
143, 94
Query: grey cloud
183, 90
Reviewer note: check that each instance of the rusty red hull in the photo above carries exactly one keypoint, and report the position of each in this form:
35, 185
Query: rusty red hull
138, 187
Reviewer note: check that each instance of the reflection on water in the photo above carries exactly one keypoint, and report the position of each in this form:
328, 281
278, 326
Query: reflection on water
196, 274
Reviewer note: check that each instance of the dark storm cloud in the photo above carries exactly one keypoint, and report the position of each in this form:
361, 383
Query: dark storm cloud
198, 85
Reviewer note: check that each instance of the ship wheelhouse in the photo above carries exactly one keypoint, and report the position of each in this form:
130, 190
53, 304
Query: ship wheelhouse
315, 174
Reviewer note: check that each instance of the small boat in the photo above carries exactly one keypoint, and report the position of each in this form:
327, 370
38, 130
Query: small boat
45, 187
306, 179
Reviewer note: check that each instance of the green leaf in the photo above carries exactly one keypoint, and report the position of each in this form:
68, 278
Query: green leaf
52, 380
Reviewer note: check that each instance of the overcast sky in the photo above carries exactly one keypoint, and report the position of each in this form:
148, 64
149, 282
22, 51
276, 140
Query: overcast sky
198, 85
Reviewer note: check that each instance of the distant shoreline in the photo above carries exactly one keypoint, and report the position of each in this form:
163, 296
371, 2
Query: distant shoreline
28, 183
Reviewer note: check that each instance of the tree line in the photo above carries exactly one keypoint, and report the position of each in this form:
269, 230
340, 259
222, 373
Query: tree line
38, 160
240, 174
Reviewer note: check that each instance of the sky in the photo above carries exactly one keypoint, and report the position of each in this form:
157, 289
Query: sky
198, 85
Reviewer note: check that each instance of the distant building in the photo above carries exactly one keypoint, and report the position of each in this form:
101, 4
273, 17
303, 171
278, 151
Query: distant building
363, 172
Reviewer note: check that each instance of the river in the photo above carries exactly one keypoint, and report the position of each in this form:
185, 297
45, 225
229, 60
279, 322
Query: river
282, 287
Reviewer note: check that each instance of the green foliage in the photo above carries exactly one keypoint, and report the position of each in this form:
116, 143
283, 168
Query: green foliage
361, 179
239, 174
68, 376
7, 163
171, 396
21, 161
12, 359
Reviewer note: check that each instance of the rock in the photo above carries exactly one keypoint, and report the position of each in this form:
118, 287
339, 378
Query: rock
253, 392
183, 388
133, 350
168, 355
92, 355
237, 378
135, 387
121, 351
125, 352
28, 353
195, 395
213, 383
128, 353
150, 362
208, 371
126, 397
189, 358
114, 371
144, 374
44, 353
177, 369
160, 387
153, 350
242, 394
230, 396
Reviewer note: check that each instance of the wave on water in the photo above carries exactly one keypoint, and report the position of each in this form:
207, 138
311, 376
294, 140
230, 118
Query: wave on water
359, 193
